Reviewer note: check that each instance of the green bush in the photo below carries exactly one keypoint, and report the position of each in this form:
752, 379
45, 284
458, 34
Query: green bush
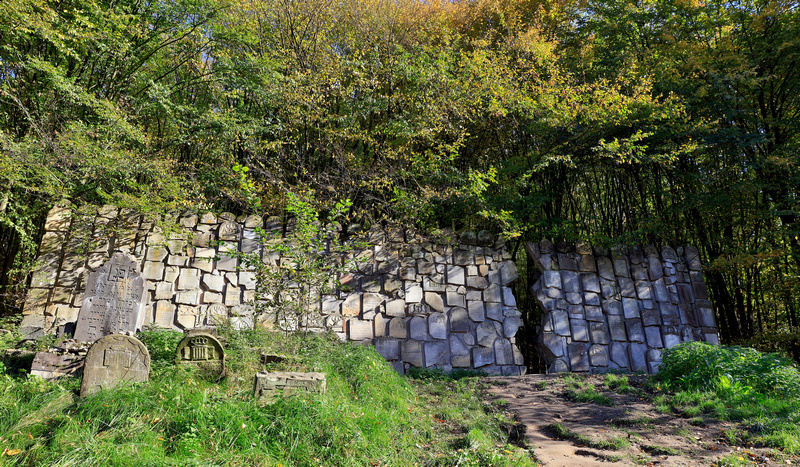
703, 366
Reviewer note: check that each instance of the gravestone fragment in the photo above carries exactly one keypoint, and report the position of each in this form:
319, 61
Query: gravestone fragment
114, 301
203, 350
113, 360
268, 385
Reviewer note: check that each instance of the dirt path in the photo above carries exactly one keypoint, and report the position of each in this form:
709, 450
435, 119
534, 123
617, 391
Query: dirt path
563, 432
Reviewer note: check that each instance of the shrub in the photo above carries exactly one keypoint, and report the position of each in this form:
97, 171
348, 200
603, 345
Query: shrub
704, 366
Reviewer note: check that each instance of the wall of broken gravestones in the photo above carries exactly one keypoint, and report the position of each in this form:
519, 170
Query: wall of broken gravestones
425, 303
620, 310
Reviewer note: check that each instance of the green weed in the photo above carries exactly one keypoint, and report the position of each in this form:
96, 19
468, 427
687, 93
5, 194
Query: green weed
614, 444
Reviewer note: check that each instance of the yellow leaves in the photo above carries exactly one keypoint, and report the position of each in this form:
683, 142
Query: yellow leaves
10, 452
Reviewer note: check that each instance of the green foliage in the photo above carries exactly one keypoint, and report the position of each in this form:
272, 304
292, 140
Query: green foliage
614, 444
729, 370
162, 345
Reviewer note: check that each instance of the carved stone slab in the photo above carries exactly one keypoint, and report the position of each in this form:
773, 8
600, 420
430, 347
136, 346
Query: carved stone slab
201, 349
114, 301
48, 365
286, 382
113, 360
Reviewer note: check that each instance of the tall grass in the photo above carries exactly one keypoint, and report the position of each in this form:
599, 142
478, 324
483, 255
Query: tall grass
369, 415
759, 391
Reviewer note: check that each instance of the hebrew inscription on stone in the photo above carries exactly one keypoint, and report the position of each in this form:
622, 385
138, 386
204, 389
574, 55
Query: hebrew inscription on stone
113, 360
114, 301
201, 349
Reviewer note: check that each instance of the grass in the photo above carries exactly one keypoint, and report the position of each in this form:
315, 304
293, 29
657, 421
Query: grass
579, 390
757, 391
369, 415
613, 444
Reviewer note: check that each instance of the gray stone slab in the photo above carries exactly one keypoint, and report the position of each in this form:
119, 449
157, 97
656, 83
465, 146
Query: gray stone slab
476, 310
612, 307
553, 345
437, 325
113, 360
654, 268
599, 333
630, 308
570, 281
508, 297
455, 275
635, 330
493, 293
482, 356
638, 357
593, 313
418, 329
552, 279
616, 326
49, 366
643, 290
508, 273
598, 355
574, 298
590, 282
653, 334
560, 322
398, 327
626, 288
591, 298
579, 356
436, 354
580, 330
619, 354
503, 352
605, 268
115, 300
511, 325
486, 334
459, 320
494, 311
411, 352
660, 289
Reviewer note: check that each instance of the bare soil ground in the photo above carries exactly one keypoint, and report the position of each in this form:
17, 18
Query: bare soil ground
653, 438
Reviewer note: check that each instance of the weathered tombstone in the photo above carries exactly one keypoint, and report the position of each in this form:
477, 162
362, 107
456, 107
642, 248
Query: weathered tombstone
48, 365
202, 350
268, 385
113, 360
115, 300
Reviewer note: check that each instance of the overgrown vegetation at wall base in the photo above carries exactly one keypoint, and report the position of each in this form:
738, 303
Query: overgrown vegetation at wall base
758, 391
369, 415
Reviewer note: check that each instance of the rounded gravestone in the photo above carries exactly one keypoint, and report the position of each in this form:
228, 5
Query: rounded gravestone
113, 360
202, 350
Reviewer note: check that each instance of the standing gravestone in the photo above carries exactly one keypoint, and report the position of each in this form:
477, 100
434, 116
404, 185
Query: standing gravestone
114, 301
201, 349
113, 360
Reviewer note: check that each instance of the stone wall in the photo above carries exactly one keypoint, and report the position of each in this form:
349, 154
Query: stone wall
618, 311
422, 302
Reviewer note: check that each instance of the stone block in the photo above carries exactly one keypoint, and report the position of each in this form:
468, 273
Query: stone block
213, 283
627, 288
599, 333
233, 295
434, 300
621, 267
635, 330
503, 352
459, 320
552, 279
590, 282
285, 383
574, 298
593, 313
580, 331
436, 354
359, 330
413, 292
371, 302
482, 356
508, 297
476, 310
638, 357
381, 324
651, 318
418, 329
398, 328
598, 355
560, 322
411, 352
653, 334
619, 354
437, 325
616, 326
153, 271
511, 325
508, 273
493, 294
486, 334
612, 307
352, 305
570, 282
189, 279
494, 311
591, 298
247, 279
156, 253
706, 317
396, 307
455, 275
388, 347
579, 356
454, 298
605, 268
630, 308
